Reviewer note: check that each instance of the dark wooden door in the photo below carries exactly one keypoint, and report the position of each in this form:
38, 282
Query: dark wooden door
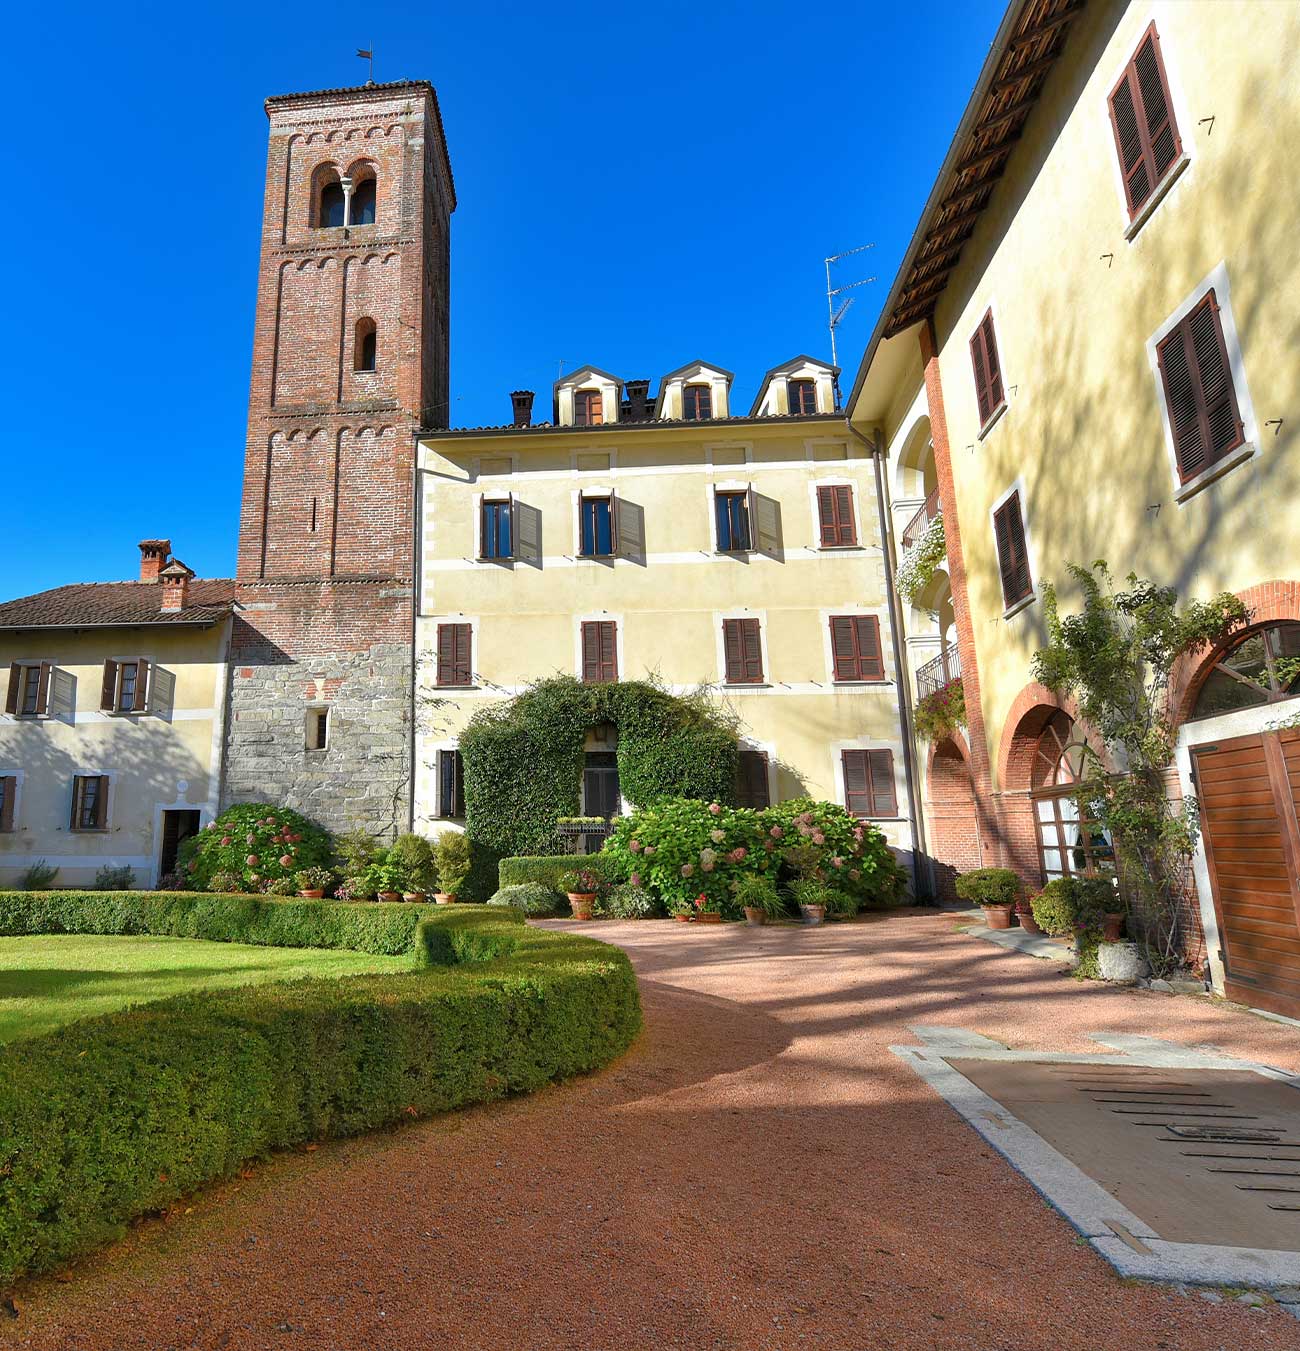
177, 827
1248, 788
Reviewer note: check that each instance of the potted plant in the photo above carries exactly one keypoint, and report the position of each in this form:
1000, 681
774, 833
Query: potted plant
757, 896
452, 858
707, 909
313, 882
994, 890
413, 854
386, 878
810, 896
1025, 914
581, 886
681, 910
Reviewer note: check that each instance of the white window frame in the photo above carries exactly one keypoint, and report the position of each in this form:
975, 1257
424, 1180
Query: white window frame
1017, 487
838, 481
24, 662
434, 747
481, 499
719, 618
1216, 281
745, 486
768, 750
598, 617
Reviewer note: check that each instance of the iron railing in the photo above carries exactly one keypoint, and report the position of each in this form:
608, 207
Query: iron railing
925, 513
584, 837
938, 671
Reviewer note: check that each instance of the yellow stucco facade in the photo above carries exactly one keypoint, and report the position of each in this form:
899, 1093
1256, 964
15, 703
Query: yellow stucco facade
670, 585
162, 759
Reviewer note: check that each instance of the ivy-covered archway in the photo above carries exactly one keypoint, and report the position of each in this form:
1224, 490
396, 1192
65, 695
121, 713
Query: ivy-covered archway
523, 759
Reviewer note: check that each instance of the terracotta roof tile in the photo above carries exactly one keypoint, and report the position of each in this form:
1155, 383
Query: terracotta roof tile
117, 604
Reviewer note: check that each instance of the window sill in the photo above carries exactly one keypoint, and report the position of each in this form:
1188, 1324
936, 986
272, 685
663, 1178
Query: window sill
734, 553
747, 685
1148, 208
1022, 604
1216, 471
992, 420
470, 686
881, 683
95, 830
840, 548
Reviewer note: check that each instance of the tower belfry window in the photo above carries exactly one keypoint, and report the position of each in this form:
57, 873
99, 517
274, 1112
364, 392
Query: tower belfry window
332, 204
363, 203
367, 348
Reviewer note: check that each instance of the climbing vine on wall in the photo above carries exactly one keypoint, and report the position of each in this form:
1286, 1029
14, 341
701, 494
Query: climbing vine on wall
524, 758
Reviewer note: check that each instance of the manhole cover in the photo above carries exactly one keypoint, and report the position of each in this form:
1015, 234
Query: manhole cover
1203, 1156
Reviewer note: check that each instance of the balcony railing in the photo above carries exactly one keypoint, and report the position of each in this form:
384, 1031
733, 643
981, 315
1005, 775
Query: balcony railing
925, 513
937, 672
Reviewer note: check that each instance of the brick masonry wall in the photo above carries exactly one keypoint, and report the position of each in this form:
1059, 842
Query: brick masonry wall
325, 571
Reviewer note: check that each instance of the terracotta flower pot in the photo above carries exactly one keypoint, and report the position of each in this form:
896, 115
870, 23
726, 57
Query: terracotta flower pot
997, 916
413, 896
313, 893
1110, 927
813, 914
390, 895
582, 903
709, 917
682, 919
1027, 922
753, 916
444, 897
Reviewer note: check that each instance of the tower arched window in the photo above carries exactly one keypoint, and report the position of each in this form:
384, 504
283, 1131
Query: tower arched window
367, 346
329, 200
363, 202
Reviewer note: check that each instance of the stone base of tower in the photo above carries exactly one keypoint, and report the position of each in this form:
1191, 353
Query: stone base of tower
341, 649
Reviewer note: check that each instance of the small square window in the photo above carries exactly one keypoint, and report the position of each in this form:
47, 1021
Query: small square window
318, 729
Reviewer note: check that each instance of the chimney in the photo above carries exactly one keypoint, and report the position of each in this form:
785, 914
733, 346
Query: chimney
175, 579
522, 402
638, 400
153, 558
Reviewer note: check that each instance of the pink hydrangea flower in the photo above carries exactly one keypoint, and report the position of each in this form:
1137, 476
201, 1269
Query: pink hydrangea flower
837, 861
776, 832
706, 867
768, 845
636, 879
687, 869
649, 849
285, 860
855, 873
251, 860
715, 808
818, 837
226, 839
252, 839
635, 846
738, 853
717, 836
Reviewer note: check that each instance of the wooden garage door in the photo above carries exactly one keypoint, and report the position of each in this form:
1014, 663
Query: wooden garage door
1248, 788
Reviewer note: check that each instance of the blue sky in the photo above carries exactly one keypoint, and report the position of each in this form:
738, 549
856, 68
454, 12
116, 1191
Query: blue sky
639, 186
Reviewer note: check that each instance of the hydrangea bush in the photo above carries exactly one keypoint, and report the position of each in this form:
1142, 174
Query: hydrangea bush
255, 845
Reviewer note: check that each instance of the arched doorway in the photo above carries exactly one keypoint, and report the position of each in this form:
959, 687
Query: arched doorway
952, 816
1069, 845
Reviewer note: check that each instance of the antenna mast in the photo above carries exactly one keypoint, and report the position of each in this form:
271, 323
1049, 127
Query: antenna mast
834, 313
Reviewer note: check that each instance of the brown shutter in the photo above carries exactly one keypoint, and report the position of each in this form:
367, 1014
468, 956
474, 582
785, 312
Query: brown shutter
608, 652
78, 787
981, 375
455, 659
871, 665
591, 653
880, 769
8, 791
43, 689
1013, 557
743, 651
101, 804
15, 677
751, 779
732, 651
857, 782
992, 364
844, 650
1142, 118
446, 653
835, 513
141, 701
753, 649
108, 690
1199, 393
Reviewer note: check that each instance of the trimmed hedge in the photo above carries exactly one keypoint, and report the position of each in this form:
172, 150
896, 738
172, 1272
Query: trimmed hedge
549, 868
114, 1117
360, 926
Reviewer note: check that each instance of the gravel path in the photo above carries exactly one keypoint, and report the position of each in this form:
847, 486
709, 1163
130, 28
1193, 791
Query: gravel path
757, 1174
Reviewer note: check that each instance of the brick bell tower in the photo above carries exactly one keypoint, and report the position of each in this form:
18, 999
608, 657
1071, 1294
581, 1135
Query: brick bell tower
349, 358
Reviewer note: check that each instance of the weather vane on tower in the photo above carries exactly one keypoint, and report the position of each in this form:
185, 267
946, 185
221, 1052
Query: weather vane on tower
368, 54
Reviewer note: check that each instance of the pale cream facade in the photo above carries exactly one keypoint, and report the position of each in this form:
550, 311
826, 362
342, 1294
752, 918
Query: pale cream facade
159, 767
671, 583
1082, 292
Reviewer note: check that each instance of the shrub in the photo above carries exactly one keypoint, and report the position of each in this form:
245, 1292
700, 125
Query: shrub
452, 854
1076, 907
548, 869
531, 897
355, 852
314, 879
582, 882
854, 855
355, 889
758, 892
989, 886
626, 901
809, 891
278, 886
412, 856
117, 1116
39, 877
223, 883
840, 904
381, 875
115, 879
257, 843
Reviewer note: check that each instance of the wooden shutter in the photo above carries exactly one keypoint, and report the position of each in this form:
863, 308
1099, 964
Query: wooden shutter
988, 368
101, 802
141, 701
43, 689
857, 782
15, 680
869, 783
8, 791
599, 652
855, 647
108, 690
1013, 557
751, 779
451, 780
1204, 418
835, 514
78, 787
454, 654
1142, 118
743, 651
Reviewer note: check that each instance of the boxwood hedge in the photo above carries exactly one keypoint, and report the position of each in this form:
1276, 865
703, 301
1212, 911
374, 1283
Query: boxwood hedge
548, 869
114, 1117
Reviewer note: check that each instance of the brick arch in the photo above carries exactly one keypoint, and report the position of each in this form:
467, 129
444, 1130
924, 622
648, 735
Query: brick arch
1025, 720
952, 813
1268, 603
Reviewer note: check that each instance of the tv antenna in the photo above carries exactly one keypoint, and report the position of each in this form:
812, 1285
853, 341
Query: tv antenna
836, 309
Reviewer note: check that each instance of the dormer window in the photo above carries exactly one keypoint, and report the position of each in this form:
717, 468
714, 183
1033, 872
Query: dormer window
803, 397
697, 403
588, 408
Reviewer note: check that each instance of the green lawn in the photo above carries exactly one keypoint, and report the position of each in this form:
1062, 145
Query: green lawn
53, 979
